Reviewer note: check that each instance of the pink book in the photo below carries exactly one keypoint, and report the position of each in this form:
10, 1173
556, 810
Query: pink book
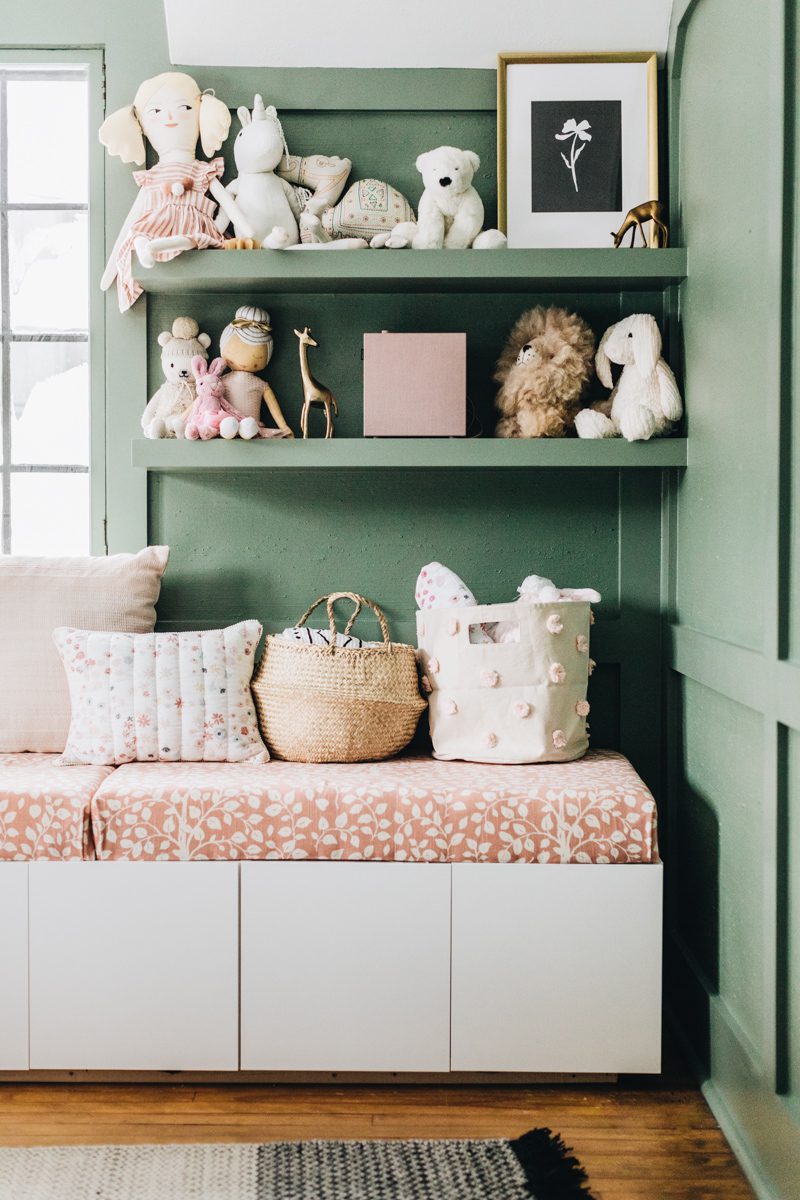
415, 384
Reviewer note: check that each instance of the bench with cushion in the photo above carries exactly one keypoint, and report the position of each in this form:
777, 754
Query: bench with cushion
167, 917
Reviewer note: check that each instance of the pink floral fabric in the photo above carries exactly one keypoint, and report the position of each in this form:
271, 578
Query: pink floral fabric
595, 810
44, 807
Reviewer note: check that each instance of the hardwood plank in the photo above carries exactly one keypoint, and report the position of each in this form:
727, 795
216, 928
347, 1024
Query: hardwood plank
642, 1139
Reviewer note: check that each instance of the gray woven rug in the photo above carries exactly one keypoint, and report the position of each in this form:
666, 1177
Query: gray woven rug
536, 1165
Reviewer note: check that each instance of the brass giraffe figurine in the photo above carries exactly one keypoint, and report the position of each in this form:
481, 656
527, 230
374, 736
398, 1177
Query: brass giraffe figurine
314, 393
651, 210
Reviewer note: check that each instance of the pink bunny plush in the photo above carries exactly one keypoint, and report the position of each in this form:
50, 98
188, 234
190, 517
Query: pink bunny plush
211, 415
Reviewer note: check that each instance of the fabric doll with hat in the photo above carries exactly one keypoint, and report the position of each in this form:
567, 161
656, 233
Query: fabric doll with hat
172, 211
246, 347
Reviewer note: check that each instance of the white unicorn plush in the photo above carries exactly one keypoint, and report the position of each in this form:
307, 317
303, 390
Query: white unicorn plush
270, 205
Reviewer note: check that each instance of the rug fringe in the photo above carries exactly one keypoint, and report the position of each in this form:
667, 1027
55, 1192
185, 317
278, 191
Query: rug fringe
552, 1173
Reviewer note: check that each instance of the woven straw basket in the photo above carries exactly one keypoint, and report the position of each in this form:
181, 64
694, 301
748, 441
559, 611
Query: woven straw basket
335, 703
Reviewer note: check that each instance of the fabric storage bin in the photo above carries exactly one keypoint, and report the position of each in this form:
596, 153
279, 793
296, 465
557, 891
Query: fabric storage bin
518, 701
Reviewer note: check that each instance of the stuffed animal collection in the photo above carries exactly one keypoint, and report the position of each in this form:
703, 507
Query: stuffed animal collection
546, 367
277, 201
232, 391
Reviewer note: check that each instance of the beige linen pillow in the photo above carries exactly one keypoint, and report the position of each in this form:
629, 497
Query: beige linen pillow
39, 594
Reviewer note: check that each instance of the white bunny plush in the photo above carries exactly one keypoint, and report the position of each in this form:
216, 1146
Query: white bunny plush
646, 400
537, 589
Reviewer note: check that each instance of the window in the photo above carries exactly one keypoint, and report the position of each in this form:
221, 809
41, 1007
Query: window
44, 309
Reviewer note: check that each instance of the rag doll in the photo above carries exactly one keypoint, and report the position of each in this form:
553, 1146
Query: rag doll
246, 348
166, 412
543, 372
646, 400
172, 211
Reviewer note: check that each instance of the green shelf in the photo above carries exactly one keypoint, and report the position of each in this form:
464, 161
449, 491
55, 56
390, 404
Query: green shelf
262, 272
404, 453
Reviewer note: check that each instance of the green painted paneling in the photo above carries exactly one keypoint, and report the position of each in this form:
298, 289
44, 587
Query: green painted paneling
721, 848
729, 310
791, 1080
734, 934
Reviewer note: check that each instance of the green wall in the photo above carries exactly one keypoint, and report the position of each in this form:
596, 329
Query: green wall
734, 684
716, 552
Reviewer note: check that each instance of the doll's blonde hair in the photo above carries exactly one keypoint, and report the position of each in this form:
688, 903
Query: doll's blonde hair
122, 135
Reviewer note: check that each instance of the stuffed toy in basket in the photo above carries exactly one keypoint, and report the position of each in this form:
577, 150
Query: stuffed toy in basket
337, 703
522, 700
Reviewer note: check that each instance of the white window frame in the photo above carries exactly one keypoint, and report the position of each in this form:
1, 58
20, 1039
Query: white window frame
57, 64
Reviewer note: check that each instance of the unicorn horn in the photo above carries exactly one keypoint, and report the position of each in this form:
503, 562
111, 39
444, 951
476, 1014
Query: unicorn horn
259, 111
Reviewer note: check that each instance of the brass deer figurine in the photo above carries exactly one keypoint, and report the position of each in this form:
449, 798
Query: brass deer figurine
651, 210
314, 392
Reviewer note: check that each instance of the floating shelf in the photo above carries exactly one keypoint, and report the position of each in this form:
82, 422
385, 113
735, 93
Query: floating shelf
269, 271
404, 453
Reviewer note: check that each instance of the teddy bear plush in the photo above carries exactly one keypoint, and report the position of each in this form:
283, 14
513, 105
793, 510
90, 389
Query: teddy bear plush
450, 213
646, 400
166, 412
543, 372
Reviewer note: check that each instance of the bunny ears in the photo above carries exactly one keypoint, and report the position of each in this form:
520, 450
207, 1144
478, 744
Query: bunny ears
122, 132
642, 333
200, 368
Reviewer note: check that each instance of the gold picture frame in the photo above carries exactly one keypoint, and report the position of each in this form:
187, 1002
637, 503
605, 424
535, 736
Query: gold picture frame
507, 60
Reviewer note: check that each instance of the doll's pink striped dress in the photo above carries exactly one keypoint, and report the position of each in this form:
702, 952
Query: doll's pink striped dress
190, 214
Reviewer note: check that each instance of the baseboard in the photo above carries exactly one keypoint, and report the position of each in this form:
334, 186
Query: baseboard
739, 1144
434, 1078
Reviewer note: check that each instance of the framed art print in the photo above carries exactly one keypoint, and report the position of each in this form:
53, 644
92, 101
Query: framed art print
577, 145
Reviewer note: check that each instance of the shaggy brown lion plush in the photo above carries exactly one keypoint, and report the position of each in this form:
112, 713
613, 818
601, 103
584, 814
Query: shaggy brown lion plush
543, 372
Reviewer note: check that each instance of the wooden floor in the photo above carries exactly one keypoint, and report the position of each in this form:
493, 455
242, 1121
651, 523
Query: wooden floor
639, 1139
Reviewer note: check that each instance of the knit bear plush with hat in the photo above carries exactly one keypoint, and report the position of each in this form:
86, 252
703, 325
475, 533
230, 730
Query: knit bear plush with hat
166, 412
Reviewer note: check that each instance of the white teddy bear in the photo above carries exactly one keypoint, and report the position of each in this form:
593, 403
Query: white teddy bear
450, 212
166, 412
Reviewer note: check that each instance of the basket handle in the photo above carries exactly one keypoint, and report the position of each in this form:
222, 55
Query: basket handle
358, 601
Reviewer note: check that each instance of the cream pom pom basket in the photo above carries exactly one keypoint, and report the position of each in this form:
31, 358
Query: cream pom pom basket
522, 700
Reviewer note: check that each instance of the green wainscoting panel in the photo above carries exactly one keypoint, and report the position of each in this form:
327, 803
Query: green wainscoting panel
732, 521
722, 841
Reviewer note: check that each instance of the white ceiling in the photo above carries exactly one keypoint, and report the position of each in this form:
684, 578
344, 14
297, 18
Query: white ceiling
406, 33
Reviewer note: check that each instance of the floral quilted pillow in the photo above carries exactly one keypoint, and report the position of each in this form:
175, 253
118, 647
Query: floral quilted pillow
161, 697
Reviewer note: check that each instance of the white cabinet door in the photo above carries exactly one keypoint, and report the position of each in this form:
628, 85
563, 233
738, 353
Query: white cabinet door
556, 968
134, 966
13, 966
345, 966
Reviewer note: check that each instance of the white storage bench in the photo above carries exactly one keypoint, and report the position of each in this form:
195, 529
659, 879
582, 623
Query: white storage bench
411, 916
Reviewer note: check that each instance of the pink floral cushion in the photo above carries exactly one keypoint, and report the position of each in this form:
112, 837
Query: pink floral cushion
44, 807
151, 697
595, 810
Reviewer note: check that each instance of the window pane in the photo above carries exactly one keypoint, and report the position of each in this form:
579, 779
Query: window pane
49, 514
48, 144
50, 402
48, 267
